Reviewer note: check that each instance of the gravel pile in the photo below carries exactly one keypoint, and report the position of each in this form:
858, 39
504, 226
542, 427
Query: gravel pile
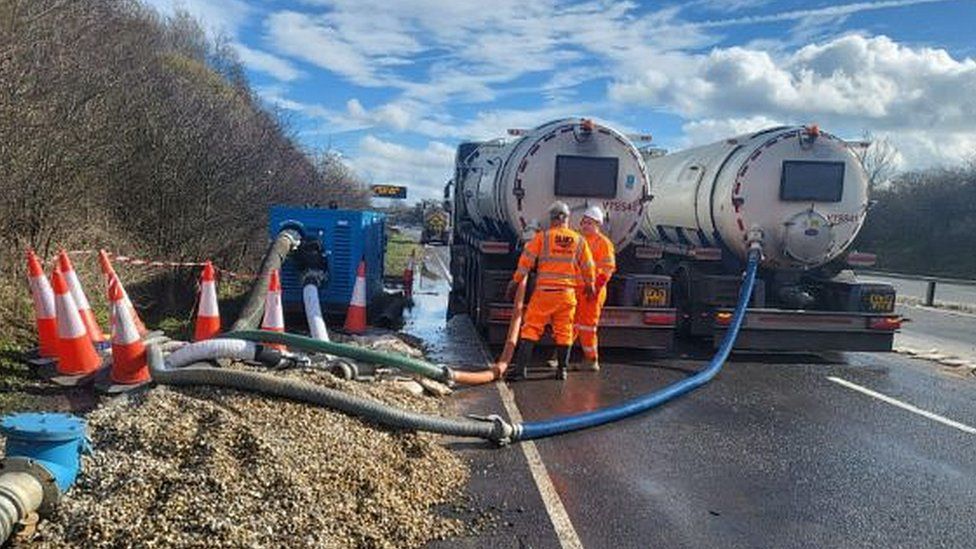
219, 468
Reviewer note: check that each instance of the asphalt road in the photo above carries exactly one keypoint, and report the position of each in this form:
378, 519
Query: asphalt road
949, 332
778, 451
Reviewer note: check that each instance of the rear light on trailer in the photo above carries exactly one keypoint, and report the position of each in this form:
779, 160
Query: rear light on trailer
499, 314
659, 319
493, 247
723, 318
861, 259
885, 323
706, 254
648, 252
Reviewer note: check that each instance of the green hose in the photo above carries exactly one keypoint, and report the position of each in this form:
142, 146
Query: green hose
421, 367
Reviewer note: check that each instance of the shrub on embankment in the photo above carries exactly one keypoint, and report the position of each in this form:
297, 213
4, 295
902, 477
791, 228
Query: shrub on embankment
925, 223
126, 130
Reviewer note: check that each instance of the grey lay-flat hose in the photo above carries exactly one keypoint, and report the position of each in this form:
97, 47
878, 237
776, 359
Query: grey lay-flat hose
492, 428
253, 309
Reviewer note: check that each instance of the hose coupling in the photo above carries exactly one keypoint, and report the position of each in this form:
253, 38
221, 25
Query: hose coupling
503, 432
294, 360
755, 239
448, 377
313, 277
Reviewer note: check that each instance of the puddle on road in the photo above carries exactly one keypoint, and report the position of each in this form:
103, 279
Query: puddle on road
454, 343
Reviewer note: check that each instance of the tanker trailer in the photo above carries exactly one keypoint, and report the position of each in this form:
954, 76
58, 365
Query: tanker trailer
806, 192
435, 228
502, 190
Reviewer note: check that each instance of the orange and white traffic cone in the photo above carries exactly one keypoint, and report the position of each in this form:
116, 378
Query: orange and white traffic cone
208, 314
76, 354
274, 317
408, 276
129, 366
44, 311
110, 275
356, 313
81, 301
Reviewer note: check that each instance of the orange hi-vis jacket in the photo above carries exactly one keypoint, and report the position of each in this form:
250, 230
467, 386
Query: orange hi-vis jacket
561, 258
589, 309
604, 256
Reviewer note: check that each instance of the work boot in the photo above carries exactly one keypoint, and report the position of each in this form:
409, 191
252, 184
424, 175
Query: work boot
553, 360
562, 356
521, 366
590, 365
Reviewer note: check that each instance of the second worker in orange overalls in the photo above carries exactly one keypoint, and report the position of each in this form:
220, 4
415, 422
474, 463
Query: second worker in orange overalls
562, 263
589, 306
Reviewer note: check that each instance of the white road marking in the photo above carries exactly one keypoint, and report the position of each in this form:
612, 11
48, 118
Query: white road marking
905, 406
444, 269
565, 532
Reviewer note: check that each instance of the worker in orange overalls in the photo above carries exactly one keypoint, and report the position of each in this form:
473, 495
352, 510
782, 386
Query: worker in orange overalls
562, 262
590, 306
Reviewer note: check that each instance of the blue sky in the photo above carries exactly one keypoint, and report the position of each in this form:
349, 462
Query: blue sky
394, 85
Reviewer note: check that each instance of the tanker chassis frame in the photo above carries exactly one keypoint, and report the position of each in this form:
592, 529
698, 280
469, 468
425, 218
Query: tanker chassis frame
845, 315
481, 270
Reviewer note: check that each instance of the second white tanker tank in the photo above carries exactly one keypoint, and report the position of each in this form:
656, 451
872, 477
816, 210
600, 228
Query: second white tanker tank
506, 187
803, 188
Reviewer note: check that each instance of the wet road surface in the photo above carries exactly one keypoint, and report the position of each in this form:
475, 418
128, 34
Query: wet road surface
775, 452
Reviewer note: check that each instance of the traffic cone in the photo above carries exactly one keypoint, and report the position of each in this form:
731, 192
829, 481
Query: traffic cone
44, 310
110, 275
76, 354
408, 276
129, 365
81, 301
208, 314
274, 318
356, 314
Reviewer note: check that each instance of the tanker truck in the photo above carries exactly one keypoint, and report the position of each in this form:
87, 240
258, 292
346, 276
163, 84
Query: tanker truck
436, 222
499, 197
805, 192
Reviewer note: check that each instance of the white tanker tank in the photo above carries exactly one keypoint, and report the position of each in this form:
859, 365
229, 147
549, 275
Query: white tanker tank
804, 189
506, 187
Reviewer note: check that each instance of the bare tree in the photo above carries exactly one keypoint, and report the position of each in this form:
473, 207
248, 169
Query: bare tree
879, 160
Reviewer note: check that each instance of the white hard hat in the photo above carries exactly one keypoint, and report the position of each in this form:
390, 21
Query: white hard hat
595, 213
558, 208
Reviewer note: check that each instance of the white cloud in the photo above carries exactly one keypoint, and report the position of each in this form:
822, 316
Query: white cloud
848, 84
267, 63
216, 16
438, 54
300, 36
841, 10
709, 130
423, 171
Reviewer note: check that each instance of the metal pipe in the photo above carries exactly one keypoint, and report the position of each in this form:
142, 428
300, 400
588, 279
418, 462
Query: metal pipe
21, 494
930, 294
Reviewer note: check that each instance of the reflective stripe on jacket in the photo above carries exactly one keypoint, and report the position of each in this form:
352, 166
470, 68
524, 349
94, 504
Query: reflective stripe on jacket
561, 258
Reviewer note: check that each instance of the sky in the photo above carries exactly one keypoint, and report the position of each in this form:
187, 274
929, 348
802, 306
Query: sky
395, 85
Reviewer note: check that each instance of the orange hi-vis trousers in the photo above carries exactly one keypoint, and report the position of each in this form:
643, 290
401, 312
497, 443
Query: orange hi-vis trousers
553, 306
588, 320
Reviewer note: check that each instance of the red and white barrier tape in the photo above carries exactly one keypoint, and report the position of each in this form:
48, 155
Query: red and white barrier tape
161, 264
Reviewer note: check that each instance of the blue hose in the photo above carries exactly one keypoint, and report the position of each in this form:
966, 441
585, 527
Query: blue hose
575, 422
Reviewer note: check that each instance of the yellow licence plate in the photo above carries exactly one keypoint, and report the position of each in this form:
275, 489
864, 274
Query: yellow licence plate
880, 303
654, 297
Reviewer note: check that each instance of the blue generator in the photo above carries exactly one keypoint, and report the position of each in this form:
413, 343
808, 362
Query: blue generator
346, 236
